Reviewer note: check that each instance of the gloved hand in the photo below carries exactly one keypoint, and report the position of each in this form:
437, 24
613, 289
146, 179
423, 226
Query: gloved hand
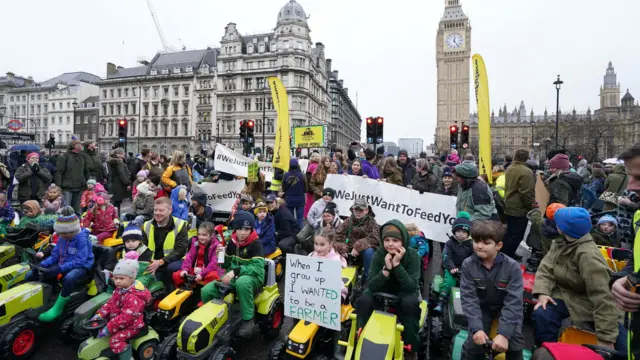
96, 317
103, 332
35, 167
52, 272
529, 214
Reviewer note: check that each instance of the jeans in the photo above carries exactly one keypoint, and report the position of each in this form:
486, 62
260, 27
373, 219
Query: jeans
298, 212
72, 198
516, 226
69, 281
165, 274
547, 324
408, 313
367, 256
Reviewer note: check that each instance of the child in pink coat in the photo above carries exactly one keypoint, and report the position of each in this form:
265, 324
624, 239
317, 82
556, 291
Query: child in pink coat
102, 218
323, 248
201, 260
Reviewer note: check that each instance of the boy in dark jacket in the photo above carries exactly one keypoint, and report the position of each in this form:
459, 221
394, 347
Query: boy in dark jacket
456, 251
265, 228
244, 265
395, 269
491, 288
605, 233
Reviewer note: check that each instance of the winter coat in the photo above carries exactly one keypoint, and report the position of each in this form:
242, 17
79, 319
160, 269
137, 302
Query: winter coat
419, 243
125, 308
120, 178
408, 172
357, 234
246, 259
93, 163
394, 177
564, 187
144, 202
102, 219
424, 183
370, 170
177, 175
71, 172
53, 205
210, 259
87, 195
576, 273
154, 170
404, 278
27, 178
520, 186
316, 210
437, 171
316, 186
476, 198
333, 255
450, 191
7, 214
597, 186
180, 208
266, 230
453, 159
294, 185
5, 177
318, 226
611, 239
456, 252
583, 171
207, 215
286, 224
545, 231
76, 253
617, 181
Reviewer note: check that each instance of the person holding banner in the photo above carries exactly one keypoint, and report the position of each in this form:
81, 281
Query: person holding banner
475, 196
359, 234
294, 186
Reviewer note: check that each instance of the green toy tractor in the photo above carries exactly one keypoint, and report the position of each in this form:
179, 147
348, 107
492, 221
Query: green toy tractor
143, 345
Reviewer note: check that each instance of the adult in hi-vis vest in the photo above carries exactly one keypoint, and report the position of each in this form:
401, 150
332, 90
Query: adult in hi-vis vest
623, 281
168, 239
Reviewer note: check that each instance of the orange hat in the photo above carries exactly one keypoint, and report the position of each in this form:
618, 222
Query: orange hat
552, 208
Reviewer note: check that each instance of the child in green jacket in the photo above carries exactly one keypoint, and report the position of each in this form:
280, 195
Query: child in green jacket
244, 265
605, 232
395, 269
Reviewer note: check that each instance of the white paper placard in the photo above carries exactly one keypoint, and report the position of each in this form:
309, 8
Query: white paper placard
221, 195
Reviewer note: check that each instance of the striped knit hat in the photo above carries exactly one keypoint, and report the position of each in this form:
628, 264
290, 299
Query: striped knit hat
132, 232
67, 221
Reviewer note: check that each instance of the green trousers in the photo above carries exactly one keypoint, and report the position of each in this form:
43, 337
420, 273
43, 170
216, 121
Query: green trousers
245, 286
448, 282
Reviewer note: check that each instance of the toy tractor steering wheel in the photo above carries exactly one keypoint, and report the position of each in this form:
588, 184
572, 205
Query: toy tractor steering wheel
41, 270
189, 280
605, 352
386, 301
224, 289
93, 326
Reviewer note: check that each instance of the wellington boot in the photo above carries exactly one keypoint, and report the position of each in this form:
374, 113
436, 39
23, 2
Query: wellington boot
55, 312
441, 305
246, 329
127, 354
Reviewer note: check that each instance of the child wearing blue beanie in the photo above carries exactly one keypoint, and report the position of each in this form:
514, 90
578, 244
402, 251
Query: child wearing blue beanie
605, 232
572, 281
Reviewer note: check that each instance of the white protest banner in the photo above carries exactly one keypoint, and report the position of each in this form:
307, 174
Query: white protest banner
433, 213
312, 290
231, 162
221, 195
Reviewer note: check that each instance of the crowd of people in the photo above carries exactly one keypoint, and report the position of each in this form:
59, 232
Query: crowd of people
80, 194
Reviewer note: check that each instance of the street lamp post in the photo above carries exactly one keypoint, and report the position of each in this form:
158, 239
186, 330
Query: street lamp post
75, 106
558, 84
532, 138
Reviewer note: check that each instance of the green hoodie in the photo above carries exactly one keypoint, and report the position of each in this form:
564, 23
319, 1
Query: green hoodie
403, 278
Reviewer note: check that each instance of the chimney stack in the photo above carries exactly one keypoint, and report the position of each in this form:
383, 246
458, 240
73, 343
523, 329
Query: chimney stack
329, 61
346, 90
111, 68
335, 74
10, 75
341, 82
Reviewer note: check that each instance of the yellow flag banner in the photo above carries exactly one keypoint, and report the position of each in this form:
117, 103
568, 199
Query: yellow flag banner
282, 148
481, 83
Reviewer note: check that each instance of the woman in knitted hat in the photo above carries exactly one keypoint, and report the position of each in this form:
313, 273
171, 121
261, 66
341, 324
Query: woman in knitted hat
564, 185
125, 308
32, 179
72, 258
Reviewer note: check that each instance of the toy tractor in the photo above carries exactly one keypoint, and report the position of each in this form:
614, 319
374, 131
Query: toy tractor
94, 348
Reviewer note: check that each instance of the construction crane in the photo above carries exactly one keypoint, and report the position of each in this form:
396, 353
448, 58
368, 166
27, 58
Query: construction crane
165, 46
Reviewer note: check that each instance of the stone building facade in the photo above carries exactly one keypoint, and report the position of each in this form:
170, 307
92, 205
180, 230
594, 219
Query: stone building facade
345, 123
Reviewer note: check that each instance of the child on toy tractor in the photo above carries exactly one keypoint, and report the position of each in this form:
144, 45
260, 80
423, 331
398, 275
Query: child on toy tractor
573, 281
605, 232
134, 238
491, 288
244, 263
72, 258
201, 259
457, 249
395, 270
125, 308
359, 234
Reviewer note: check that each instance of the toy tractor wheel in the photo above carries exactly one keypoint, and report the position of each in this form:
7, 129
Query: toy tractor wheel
147, 350
167, 349
66, 331
271, 323
279, 269
278, 350
424, 341
435, 335
223, 353
19, 340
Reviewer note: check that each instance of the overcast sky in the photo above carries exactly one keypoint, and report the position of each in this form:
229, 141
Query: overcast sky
384, 50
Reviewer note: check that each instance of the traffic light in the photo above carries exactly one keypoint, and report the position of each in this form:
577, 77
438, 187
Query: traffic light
464, 139
122, 132
454, 136
371, 130
250, 127
243, 130
379, 129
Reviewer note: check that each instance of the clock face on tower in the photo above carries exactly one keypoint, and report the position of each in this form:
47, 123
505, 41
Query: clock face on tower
454, 41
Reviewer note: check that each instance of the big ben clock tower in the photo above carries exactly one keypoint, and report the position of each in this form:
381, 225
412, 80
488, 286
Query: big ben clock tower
453, 56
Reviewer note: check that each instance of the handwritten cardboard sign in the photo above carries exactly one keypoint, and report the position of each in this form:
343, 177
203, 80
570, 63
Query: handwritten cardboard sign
312, 290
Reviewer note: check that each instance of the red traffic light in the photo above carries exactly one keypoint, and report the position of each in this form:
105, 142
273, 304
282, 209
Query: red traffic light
465, 128
122, 122
454, 129
250, 123
380, 120
368, 120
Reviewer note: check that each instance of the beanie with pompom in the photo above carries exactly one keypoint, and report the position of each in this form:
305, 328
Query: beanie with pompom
462, 222
128, 266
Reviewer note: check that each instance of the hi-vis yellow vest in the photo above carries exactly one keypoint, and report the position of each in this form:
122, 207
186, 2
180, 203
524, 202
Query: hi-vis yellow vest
169, 241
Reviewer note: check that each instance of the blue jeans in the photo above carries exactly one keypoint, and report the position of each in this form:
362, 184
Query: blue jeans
547, 324
165, 273
72, 198
367, 256
69, 281
298, 213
